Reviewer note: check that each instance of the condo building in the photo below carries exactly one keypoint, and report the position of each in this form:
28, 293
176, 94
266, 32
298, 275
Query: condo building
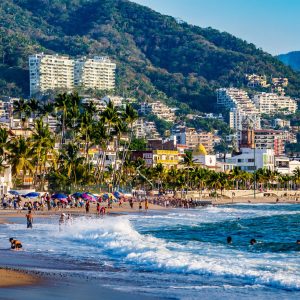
270, 103
240, 106
50, 72
95, 73
158, 108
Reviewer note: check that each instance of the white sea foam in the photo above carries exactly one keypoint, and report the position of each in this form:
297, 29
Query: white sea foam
117, 239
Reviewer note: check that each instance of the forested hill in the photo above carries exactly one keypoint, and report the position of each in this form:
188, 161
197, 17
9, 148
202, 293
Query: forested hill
291, 59
154, 53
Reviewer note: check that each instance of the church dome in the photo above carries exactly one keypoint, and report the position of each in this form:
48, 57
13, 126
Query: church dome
199, 150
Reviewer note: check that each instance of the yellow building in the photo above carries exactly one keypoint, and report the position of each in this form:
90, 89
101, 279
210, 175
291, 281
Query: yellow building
168, 158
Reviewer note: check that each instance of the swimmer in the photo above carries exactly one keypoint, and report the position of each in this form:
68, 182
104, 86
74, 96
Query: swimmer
298, 242
252, 241
15, 244
229, 240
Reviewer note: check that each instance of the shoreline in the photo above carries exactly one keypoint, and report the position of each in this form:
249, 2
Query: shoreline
41, 277
17, 278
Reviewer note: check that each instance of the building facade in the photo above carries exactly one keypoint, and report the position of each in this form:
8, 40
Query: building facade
95, 73
50, 72
271, 103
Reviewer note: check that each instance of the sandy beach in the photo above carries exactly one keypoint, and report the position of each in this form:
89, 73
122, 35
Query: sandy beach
11, 278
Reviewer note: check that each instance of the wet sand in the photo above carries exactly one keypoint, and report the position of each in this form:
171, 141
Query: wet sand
11, 278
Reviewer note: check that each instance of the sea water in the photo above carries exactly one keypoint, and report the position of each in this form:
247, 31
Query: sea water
178, 254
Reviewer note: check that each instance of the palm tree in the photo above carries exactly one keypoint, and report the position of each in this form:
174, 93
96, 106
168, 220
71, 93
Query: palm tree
34, 106
61, 103
110, 117
3, 142
23, 110
129, 116
43, 144
188, 162
20, 157
296, 176
71, 159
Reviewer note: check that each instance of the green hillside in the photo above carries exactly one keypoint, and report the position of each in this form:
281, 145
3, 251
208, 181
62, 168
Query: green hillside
155, 54
291, 59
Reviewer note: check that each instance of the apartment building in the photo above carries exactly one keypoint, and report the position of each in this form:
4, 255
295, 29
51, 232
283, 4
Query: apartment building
95, 73
272, 139
192, 138
6, 108
271, 103
145, 129
280, 81
50, 72
240, 105
161, 110
254, 80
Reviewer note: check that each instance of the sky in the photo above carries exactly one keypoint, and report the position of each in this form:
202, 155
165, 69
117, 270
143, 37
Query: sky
273, 25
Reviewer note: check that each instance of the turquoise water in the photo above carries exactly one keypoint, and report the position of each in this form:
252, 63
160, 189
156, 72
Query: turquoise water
180, 254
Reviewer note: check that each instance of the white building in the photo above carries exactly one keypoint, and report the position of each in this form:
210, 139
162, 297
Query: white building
253, 159
49, 72
161, 110
284, 165
270, 103
95, 73
5, 180
240, 105
145, 129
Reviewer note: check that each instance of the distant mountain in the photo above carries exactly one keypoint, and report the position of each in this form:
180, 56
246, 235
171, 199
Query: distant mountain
156, 55
291, 59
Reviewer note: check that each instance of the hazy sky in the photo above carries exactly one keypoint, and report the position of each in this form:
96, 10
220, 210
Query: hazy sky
273, 25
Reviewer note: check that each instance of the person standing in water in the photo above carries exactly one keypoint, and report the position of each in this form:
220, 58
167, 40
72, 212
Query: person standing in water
29, 218
146, 205
98, 209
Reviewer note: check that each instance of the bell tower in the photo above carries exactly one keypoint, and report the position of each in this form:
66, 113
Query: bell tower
247, 138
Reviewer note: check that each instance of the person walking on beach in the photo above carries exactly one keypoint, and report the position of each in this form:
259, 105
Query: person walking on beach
87, 207
29, 218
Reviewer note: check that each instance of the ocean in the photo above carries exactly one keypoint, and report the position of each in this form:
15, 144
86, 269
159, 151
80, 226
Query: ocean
176, 254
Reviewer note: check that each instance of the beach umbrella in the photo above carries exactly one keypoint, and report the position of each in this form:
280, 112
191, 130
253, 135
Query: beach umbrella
15, 193
88, 196
77, 195
108, 195
32, 195
59, 196
118, 195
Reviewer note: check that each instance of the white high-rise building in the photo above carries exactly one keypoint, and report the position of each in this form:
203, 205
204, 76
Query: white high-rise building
50, 72
241, 107
96, 73
270, 103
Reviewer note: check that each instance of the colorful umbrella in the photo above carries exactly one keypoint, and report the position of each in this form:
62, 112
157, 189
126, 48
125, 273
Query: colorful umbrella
118, 195
77, 195
32, 195
59, 196
88, 196
15, 193
108, 195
